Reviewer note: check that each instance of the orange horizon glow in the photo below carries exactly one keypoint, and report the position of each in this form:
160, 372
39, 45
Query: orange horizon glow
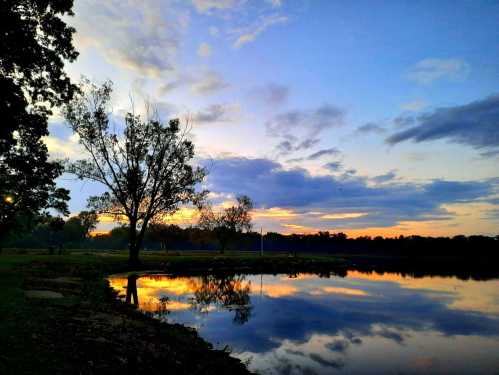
277, 219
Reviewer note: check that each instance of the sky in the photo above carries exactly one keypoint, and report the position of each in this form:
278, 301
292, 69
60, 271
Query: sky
367, 117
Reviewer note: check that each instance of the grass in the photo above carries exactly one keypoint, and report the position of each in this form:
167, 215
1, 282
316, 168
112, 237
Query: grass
90, 331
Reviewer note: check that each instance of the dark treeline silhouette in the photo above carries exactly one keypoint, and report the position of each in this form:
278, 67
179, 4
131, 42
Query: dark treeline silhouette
173, 237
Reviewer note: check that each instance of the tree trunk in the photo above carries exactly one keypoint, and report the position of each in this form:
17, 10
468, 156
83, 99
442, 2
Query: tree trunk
133, 245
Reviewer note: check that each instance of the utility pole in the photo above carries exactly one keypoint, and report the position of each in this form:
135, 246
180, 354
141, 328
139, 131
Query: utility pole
261, 241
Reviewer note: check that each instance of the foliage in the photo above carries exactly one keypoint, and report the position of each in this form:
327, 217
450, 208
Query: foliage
146, 166
88, 221
35, 44
227, 222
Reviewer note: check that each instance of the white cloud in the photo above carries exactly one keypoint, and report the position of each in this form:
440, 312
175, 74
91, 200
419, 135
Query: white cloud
206, 6
204, 50
248, 35
134, 35
429, 70
63, 148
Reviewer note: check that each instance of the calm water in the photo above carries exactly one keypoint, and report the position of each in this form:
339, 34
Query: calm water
361, 323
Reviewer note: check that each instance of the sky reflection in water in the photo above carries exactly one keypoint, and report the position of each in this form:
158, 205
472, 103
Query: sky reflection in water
363, 323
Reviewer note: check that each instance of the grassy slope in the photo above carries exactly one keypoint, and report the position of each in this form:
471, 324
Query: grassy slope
89, 332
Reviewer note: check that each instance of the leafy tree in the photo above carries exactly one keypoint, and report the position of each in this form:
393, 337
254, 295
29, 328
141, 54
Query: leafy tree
145, 166
163, 233
227, 222
35, 43
88, 220
73, 231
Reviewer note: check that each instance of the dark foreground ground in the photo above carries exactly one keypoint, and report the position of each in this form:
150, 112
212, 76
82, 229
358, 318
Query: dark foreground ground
58, 314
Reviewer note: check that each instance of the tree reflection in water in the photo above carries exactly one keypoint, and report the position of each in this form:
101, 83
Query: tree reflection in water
230, 292
131, 290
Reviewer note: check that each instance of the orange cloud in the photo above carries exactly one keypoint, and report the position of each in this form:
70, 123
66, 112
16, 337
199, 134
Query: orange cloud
347, 215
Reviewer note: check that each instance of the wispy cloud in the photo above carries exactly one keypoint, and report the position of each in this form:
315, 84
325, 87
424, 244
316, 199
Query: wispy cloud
334, 166
429, 70
270, 94
249, 34
291, 145
312, 121
202, 83
382, 178
326, 152
370, 128
216, 113
332, 151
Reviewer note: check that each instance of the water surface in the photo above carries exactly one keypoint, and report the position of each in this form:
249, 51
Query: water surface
364, 323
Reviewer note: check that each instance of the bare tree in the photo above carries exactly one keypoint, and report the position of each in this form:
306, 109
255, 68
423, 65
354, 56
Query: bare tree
145, 165
226, 223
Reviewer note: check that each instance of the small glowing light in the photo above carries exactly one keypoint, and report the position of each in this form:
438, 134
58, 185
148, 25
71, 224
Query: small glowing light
9, 199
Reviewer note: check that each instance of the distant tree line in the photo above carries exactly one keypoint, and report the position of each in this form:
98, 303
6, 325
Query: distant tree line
74, 234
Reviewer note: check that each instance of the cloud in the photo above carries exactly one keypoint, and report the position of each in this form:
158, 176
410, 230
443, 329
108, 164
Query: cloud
312, 121
404, 120
291, 144
326, 152
208, 6
271, 94
204, 50
475, 124
216, 113
334, 166
389, 176
135, 36
338, 345
317, 155
384, 205
429, 70
370, 127
209, 83
326, 362
63, 148
201, 83
249, 34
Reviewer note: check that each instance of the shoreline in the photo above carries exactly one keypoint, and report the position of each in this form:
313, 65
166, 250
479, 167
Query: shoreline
59, 315
62, 316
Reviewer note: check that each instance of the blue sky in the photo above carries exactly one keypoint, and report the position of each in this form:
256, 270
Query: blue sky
381, 115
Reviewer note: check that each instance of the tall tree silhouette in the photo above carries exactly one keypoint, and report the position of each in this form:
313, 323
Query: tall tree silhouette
145, 166
226, 223
35, 42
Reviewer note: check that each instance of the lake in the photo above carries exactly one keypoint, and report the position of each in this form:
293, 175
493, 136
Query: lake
363, 323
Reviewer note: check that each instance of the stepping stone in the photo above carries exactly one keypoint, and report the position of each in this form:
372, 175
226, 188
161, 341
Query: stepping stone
45, 294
